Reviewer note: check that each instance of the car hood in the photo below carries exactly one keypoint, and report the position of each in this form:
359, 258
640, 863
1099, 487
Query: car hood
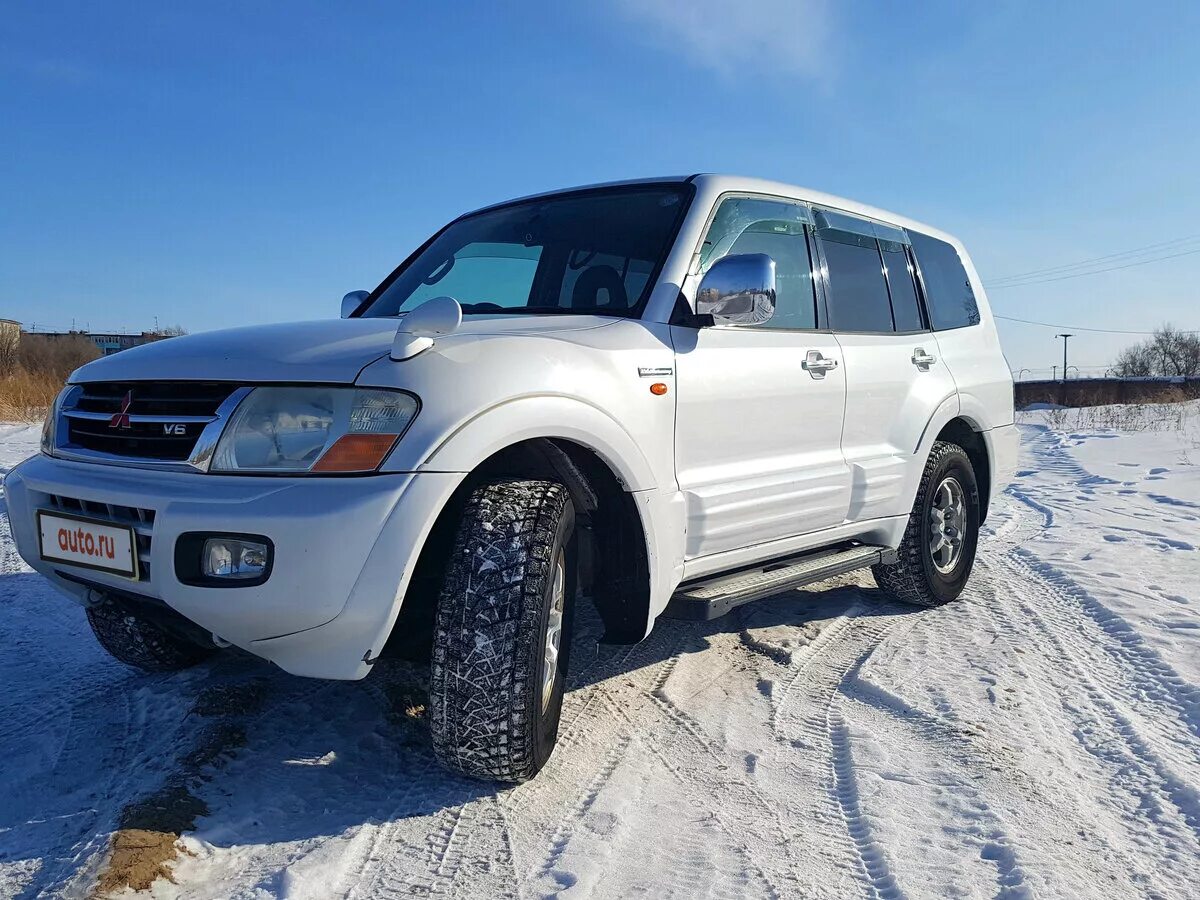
327, 351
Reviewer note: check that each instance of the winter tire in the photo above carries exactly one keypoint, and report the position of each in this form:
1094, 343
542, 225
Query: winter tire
938, 550
503, 631
140, 643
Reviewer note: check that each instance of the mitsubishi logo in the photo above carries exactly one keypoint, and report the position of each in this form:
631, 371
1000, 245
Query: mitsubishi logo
121, 419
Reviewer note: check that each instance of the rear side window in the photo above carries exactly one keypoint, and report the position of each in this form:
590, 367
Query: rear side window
948, 293
858, 291
906, 309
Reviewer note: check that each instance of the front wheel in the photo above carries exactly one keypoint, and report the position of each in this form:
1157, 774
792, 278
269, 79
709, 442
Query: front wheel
937, 552
139, 642
503, 631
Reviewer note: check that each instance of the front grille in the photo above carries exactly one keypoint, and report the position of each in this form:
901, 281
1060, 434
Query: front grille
159, 420
142, 521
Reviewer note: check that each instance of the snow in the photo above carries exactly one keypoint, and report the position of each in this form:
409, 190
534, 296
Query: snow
1041, 737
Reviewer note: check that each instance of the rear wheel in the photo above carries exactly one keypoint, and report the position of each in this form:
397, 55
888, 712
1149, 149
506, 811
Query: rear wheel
503, 631
937, 553
139, 642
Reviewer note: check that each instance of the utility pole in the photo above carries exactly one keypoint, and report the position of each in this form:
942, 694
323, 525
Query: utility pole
1064, 340
1054, 375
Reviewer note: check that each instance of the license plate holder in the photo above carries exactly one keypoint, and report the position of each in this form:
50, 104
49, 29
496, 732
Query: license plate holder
88, 543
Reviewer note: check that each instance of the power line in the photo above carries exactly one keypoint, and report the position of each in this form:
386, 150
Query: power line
1137, 251
1140, 262
1084, 327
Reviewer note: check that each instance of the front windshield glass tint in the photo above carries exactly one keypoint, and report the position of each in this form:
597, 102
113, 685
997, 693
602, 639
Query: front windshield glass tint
588, 253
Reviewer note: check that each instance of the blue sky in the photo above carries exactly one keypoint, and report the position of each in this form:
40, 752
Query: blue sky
232, 163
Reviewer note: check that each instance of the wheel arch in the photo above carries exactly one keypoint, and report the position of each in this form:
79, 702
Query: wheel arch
614, 553
961, 430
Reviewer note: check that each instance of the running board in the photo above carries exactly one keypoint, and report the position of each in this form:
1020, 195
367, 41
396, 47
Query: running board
713, 597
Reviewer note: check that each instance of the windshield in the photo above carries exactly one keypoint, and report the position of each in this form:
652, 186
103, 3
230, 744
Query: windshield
593, 252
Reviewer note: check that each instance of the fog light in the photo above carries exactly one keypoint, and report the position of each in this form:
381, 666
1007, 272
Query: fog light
233, 558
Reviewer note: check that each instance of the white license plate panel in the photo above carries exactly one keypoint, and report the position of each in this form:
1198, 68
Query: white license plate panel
88, 543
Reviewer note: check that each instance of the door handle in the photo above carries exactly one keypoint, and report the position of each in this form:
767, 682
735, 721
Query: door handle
817, 365
921, 359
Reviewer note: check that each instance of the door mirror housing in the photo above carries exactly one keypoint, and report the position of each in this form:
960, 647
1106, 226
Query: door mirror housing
353, 301
738, 290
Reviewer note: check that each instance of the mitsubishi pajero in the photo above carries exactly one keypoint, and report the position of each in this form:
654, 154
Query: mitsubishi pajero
671, 396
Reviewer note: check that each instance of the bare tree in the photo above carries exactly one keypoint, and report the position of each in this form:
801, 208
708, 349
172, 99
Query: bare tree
1169, 352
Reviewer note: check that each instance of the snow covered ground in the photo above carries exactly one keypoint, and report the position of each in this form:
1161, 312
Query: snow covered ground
1039, 738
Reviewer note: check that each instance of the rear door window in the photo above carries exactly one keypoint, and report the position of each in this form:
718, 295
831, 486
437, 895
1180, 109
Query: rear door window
858, 291
948, 294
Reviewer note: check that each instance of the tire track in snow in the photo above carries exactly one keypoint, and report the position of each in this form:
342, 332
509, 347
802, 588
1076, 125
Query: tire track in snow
870, 852
955, 740
561, 838
387, 867
1158, 786
782, 707
637, 694
835, 666
737, 831
1141, 673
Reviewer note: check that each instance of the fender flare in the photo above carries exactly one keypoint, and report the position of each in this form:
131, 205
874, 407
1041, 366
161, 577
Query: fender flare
975, 412
959, 406
557, 417
542, 416
946, 412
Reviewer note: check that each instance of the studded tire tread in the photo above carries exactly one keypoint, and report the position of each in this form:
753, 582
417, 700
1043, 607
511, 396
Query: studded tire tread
484, 673
141, 643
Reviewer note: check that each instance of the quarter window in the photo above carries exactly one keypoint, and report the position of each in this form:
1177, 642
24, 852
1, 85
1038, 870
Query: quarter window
948, 293
778, 229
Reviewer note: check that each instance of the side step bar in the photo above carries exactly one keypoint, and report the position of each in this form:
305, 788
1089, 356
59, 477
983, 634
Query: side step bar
711, 598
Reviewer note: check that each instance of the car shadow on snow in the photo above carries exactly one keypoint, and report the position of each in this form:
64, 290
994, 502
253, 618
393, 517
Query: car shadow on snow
314, 759
258, 756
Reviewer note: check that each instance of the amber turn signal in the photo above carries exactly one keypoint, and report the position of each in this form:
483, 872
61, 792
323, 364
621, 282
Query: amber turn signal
658, 389
356, 453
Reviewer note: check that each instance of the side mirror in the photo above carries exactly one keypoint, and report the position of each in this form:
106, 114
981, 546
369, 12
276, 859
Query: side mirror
353, 301
441, 315
738, 290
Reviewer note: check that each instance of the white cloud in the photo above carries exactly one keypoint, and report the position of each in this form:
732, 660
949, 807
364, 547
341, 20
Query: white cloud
731, 36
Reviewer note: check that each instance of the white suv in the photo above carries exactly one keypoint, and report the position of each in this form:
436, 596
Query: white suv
674, 395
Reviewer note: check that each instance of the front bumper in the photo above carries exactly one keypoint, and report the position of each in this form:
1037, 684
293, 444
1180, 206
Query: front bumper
344, 551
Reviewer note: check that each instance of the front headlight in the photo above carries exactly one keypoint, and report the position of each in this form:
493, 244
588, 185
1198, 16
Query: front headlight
50, 426
313, 429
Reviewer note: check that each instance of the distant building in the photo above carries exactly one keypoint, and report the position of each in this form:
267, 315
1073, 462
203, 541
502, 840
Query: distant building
10, 331
107, 344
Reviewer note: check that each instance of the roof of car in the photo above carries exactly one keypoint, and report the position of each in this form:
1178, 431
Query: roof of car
721, 184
